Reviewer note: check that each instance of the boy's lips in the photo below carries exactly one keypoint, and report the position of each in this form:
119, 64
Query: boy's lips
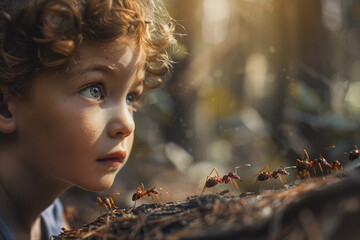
113, 159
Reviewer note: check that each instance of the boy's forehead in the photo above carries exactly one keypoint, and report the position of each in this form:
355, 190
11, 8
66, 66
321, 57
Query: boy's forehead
117, 55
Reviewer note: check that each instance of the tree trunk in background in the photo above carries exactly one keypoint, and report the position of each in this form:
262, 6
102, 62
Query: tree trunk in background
181, 127
303, 55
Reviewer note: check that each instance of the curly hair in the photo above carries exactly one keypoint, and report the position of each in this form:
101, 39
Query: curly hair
41, 35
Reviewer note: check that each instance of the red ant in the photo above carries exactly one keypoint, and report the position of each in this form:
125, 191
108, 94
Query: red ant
304, 164
140, 193
106, 202
336, 165
265, 175
230, 177
354, 154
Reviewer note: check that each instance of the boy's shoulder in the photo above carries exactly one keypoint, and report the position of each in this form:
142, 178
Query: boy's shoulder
5, 233
52, 219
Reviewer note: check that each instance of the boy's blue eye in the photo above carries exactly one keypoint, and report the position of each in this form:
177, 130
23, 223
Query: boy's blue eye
94, 92
130, 99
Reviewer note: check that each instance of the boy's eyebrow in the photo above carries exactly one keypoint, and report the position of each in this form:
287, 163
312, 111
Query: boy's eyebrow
100, 68
140, 82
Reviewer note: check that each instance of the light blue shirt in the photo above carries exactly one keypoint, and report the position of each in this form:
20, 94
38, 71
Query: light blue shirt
51, 222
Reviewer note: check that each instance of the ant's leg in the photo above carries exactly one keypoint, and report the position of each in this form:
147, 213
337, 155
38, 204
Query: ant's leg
284, 179
232, 189
307, 155
203, 190
134, 204
107, 209
158, 198
100, 205
236, 186
204, 185
142, 187
304, 174
302, 155
342, 169
282, 184
153, 200
112, 201
217, 173
322, 173
267, 168
314, 171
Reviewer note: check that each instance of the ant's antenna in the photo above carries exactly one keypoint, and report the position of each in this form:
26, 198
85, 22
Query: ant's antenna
287, 167
245, 165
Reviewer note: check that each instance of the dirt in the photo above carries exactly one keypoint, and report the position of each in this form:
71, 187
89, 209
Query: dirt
313, 209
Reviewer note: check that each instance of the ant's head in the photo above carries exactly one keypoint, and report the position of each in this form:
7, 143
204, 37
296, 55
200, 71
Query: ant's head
154, 190
235, 176
283, 172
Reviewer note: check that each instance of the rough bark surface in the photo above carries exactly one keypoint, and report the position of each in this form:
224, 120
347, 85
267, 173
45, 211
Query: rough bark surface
314, 209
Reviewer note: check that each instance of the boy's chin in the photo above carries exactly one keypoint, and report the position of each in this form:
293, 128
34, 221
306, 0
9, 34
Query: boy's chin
101, 185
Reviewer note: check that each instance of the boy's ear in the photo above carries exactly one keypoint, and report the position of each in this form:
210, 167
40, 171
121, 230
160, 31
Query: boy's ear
7, 121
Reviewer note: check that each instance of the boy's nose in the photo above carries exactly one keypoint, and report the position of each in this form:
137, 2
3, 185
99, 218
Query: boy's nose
122, 125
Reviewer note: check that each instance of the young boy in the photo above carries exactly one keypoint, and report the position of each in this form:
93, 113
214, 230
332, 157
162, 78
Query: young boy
71, 72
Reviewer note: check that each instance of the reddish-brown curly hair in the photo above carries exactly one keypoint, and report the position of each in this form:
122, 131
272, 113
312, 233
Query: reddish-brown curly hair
42, 35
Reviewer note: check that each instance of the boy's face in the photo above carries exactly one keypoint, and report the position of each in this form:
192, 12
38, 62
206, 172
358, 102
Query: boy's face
77, 125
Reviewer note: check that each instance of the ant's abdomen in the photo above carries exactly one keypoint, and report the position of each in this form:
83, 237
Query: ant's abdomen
353, 155
261, 177
211, 183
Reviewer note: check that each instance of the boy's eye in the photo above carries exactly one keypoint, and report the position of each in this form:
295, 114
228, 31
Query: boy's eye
130, 98
93, 91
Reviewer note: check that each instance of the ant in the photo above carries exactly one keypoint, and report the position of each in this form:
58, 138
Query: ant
106, 202
354, 154
304, 164
230, 177
265, 175
140, 193
336, 165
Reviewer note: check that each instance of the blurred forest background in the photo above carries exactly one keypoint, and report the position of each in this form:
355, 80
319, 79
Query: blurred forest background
255, 81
